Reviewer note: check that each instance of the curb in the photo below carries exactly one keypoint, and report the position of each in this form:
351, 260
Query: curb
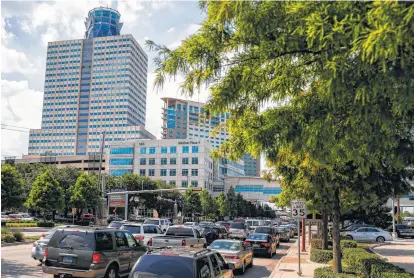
279, 262
371, 248
16, 243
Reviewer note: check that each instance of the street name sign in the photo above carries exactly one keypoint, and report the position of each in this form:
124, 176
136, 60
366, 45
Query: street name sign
298, 208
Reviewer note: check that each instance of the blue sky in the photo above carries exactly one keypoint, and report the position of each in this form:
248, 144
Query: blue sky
27, 27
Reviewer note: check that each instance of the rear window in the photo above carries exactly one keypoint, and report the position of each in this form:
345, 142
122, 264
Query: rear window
175, 231
263, 230
165, 266
131, 229
237, 225
152, 230
74, 240
152, 221
104, 241
257, 237
115, 225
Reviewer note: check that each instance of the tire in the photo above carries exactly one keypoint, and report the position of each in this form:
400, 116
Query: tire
205, 245
112, 271
349, 237
380, 239
56, 276
271, 253
243, 269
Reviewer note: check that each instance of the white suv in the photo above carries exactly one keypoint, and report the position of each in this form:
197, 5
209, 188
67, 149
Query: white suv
163, 224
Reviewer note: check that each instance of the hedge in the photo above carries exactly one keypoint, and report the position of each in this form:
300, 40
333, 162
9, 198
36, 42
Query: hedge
18, 236
396, 275
348, 244
377, 270
326, 272
316, 243
45, 224
19, 221
9, 238
34, 224
82, 223
360, 261
320, 256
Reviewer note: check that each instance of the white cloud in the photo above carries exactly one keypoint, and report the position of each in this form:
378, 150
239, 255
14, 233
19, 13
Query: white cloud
15, 61
20, 106
171, 30
6, 36
189, 29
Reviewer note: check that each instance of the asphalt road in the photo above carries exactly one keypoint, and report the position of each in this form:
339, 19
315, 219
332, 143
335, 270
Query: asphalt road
16, 262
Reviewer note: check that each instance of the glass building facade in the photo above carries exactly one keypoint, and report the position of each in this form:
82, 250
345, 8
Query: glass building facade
92, 85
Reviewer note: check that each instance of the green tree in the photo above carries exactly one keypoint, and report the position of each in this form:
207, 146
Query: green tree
239, 205
222, 204
273, 199
12, 187
231, 201
204, 196
85, 193
192, 202
45, 194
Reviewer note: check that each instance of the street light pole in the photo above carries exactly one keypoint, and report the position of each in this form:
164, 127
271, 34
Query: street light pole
394, 234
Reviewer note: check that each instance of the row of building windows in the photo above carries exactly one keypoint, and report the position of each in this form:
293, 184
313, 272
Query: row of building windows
64, 51
52, 134
64, 45
62, 74
152, 150
63, 68
111, 41
61, 85
164, 160
62, 57
260, 189
168, 172
61, 80
59, 103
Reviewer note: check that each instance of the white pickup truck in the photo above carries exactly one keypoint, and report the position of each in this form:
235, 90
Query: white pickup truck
179, 236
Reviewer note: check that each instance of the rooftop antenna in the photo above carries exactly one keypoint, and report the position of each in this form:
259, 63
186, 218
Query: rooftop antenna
114, 4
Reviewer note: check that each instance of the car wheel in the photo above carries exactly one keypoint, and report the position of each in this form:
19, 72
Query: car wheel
271, 253
380, 239
349, 237
243, 269
112, 272
56, 276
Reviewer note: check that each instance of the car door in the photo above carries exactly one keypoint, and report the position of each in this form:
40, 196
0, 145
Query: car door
224, 272
124, 251
199, 238
372, 234
137, 249
247, 253
360, 234
203, 268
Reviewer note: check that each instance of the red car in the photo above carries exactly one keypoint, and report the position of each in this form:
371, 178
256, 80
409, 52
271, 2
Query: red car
224, 225
88, 216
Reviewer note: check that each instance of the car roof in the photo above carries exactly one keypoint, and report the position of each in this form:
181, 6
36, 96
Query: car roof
228, 240
89, 228
139, 224
182, 252
261, 226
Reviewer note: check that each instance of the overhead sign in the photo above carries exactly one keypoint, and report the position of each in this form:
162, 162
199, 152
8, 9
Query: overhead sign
298, 208
117, 201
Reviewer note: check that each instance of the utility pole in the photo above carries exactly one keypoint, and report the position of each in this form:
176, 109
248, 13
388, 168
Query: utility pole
100, 169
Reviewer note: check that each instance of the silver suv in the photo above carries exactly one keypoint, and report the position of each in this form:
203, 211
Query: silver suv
238, 230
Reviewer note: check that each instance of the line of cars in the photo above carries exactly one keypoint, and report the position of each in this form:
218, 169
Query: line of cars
144, 250
369, 233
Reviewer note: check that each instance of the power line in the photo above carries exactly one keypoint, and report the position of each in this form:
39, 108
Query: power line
17, 126
12, 129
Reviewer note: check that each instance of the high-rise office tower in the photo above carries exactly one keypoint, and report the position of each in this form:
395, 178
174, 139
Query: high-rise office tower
93, 85
185, 119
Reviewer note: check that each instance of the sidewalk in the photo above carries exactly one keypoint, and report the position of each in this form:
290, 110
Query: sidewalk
288, 265
398, 252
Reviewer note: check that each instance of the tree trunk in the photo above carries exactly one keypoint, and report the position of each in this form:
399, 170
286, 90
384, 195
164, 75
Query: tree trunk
398, 211
53, 215
44, 216
324, 230
336, 215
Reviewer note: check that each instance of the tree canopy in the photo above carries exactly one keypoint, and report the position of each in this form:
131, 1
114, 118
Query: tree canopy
12, 187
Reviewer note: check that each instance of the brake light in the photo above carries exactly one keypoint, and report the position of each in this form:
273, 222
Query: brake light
183, 242
247, 242
220, 236
232, 257
149, 243
45, 253
265, 244
96, 258
43, 235
139, 237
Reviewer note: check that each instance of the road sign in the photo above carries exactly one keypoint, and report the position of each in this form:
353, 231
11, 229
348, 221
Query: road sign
298, 208
117, 201
73, 210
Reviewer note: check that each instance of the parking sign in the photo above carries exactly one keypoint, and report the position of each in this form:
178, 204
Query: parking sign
298, 208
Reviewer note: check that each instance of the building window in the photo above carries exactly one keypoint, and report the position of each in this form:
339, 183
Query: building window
172, 183
163, 161
186, 149
121, 161
194, 160
163, 149
194, 183
122, 151
163, 172
142, 172
194, 149
173, 161
142, 161
184, 172
119, 172
184, 184
152, 150
143, 150
151, 161
151, 172
173, 149
194, 172
173, 172
184, 160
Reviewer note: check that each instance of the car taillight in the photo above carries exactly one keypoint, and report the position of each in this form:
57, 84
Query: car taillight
232, 257
139, 237
43, 235
247, 243
45, 253
183, 242
149, 243
96, 258
220, 236
265, 244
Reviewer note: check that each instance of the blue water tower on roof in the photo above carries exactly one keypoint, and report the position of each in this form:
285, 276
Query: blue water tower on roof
102, 22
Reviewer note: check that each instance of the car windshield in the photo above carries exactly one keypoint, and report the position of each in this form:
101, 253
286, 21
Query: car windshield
74, 240
115, 225
228, 245
237, 225
131, 228
159, 266
178, 231
263, 230
205, 223
257, 237
152, 221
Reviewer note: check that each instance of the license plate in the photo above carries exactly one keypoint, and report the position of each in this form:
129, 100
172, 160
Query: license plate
67, 260
256, 245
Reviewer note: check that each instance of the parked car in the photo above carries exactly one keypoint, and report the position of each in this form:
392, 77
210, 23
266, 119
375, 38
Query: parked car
224, 224
205, 223
40, 244
116, 224
91, 252
369, 234
262, 244
179, 236
211, 233
253, 223
113, 217
87, 217
182, 263
354, 227
269, 231
267, 222
402, 230
238, 230
192, 225
142, 232
290, 230
235, 252
284, 233
163, 224
5, 217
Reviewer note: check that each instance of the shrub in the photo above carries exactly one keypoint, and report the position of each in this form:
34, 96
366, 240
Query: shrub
348, 244
360, 261
316, 243
5, 231
32, 238
326, 272
82, 223
21, 225
45, 224
397, 275
18, 236
9, 238
378, 269
321, 256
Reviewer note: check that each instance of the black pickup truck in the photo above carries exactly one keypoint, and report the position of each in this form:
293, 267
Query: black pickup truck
402, 230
